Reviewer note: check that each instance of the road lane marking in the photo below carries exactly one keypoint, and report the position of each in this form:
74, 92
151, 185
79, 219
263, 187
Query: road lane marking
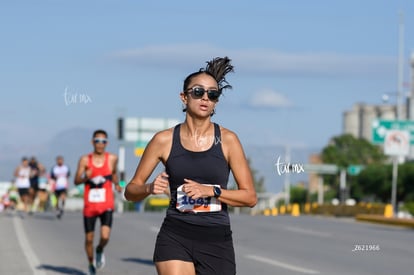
155, 229
26, 248
308, 232
282, 265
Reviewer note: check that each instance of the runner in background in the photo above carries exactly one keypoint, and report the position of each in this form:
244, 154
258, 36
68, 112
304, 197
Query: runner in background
41, 201
35, 170
98, 171
10, 199
22, 182
60, 174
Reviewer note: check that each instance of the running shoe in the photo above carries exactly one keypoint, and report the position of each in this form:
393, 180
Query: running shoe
92, 270
59, 215
100, 259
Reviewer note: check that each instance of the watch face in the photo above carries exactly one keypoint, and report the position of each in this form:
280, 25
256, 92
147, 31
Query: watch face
217, 191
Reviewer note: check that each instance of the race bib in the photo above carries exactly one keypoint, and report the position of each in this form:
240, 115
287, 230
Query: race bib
42, 183
61, 183
97, 195
187, 204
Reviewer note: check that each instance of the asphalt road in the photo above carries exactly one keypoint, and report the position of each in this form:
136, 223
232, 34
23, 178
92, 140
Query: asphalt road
42, 245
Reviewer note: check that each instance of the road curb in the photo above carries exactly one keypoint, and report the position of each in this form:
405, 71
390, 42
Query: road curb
385, 220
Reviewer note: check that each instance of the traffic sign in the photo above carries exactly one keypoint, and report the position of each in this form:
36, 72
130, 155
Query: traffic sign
321, 168
141, 130
140, 147
380, 127
397, 143
354, 170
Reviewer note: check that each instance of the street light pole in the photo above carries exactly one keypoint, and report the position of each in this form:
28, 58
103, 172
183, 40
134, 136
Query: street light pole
287, 176
399, 93
400, 84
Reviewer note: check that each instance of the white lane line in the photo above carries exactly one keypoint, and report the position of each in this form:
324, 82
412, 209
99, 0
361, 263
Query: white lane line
308, 232
155, 229
282, 265
26, 248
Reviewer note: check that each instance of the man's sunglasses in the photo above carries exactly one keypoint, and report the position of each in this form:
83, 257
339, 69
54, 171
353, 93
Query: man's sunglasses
198, 92
100, 140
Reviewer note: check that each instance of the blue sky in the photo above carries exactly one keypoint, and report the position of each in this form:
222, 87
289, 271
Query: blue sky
298, 64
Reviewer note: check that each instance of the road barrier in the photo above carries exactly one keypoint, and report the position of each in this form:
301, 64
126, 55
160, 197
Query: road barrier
295, 210
289, 209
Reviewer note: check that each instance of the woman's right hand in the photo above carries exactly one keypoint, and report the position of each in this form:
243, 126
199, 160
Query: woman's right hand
160, 185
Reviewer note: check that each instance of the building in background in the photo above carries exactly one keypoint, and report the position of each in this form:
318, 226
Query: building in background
358, 120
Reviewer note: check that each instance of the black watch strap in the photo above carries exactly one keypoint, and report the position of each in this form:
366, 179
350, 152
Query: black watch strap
217, 191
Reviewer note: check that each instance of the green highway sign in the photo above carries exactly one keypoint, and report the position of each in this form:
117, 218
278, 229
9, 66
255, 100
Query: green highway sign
381, 126
122, 183
354, 170
321, 168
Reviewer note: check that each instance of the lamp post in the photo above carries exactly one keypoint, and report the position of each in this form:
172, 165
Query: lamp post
399, 93
395, 160
287, 176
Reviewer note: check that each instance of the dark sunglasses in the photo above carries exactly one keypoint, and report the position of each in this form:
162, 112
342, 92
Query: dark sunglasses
198, 92
100, 140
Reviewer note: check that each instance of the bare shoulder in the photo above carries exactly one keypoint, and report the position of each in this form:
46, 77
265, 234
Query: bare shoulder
228, 136
160, 144
83, 162
230, 143
84, 158
163, 137
112, 157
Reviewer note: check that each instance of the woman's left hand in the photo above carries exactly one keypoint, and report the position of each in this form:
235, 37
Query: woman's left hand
196, 190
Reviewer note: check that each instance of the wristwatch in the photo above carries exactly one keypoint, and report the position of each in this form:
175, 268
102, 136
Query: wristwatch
217, 191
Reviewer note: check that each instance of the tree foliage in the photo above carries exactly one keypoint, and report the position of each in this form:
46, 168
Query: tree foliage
375, 182
257, 180
346, 150
298, 194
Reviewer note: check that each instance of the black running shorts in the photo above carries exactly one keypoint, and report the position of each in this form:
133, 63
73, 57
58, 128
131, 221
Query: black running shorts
209, 257
59, 192
23, 191
105, 218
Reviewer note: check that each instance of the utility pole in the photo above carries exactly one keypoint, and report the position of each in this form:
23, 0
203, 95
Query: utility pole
121, 160
410, 99
287, 176
399, 94
400, 84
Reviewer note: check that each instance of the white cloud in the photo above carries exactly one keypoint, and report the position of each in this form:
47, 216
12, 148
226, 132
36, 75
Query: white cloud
269, 99
259, 61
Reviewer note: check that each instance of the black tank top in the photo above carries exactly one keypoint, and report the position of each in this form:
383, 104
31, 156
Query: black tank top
208, 167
